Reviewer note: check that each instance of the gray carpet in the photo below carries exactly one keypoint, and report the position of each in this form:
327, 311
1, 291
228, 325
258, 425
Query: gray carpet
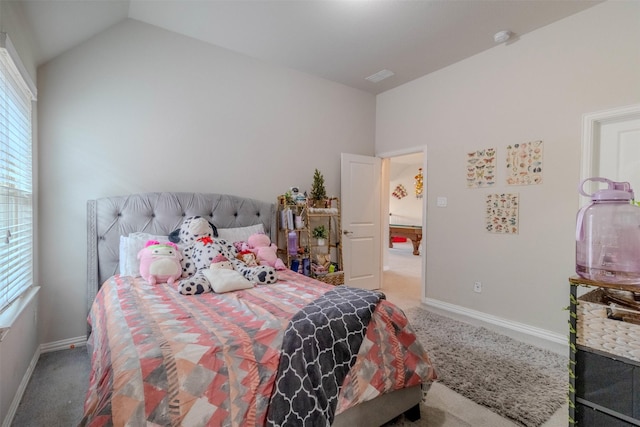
518, 381
56, 391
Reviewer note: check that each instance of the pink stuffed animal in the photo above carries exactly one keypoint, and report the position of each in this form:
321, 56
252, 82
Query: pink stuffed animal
160, 263
266, 252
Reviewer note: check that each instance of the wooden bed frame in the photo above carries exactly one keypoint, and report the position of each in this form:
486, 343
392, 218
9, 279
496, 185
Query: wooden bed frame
160, 214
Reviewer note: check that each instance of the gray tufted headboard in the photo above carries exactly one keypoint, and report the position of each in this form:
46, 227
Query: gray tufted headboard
160, 214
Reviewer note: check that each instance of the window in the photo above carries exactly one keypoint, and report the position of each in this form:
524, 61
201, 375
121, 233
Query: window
16, 196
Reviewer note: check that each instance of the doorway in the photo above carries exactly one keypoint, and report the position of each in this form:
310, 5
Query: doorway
403, 208
611, 146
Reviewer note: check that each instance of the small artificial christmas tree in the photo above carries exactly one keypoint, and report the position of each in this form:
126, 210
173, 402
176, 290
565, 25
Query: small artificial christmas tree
318, 192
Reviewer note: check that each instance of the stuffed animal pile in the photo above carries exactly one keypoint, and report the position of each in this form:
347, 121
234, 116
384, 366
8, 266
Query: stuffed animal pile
198, 238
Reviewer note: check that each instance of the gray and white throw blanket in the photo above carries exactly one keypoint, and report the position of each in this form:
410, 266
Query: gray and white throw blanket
320, 346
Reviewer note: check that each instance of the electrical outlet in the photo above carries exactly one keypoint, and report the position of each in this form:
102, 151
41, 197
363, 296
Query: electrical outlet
477, 287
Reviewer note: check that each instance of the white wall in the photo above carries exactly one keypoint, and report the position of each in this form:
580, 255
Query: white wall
536, 88
138, 108
13, 22
19, 353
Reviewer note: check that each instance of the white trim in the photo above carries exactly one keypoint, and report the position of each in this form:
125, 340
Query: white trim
591, 123
536, 336
63, 344
5, 43
403, 152
8, 419
13, 311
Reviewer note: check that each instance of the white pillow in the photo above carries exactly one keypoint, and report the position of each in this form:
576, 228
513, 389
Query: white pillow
130, 246
225, 280
239, 234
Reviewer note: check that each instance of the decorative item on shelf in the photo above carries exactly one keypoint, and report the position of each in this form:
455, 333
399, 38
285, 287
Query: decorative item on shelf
418, 184
318, 270
323, 260
295, 197
288, 199
320, 233
318, 192
293, 243
306, 266
327, 208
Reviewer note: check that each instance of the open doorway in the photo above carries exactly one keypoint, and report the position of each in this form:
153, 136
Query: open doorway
403, 212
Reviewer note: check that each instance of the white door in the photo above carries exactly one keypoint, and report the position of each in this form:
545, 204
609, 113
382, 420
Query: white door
360, 202
620, 160
611, 147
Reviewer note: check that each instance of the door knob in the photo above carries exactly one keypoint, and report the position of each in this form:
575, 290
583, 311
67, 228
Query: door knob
346, 232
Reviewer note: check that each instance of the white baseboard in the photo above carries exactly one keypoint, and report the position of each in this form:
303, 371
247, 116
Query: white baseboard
8, 419
531, 335
63, 344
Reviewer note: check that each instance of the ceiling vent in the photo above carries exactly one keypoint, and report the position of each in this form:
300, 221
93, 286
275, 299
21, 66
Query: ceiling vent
379, 76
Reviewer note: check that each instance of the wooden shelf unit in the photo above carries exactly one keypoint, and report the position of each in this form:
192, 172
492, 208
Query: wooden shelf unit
305, 256
601, 384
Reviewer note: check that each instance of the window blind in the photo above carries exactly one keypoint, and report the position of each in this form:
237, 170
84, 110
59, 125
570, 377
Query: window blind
16, 195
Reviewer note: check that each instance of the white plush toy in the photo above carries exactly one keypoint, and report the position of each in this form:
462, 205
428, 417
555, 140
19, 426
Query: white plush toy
224, 278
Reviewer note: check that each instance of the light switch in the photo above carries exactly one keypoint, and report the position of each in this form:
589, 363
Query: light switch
441, 202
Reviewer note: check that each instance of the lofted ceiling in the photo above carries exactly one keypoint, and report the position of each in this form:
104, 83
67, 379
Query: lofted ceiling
339, 40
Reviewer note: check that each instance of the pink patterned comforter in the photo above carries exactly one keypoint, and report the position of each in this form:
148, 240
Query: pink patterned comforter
162, 358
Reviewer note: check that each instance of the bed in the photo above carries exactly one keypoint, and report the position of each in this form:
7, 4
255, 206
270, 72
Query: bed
162, 358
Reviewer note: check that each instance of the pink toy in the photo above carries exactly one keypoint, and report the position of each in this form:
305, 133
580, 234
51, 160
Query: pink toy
266, 252
160, 262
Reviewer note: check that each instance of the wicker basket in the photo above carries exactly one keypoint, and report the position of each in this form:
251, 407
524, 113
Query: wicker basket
597, 331
335, 279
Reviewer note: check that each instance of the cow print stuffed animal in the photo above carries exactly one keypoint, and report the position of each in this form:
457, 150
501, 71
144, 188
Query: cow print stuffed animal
200, 245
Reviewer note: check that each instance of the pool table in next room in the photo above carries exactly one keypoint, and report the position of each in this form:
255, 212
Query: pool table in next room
412, 232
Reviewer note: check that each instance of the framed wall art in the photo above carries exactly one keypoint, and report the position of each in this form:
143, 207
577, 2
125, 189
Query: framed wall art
502, 213
524, 163
481, 168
